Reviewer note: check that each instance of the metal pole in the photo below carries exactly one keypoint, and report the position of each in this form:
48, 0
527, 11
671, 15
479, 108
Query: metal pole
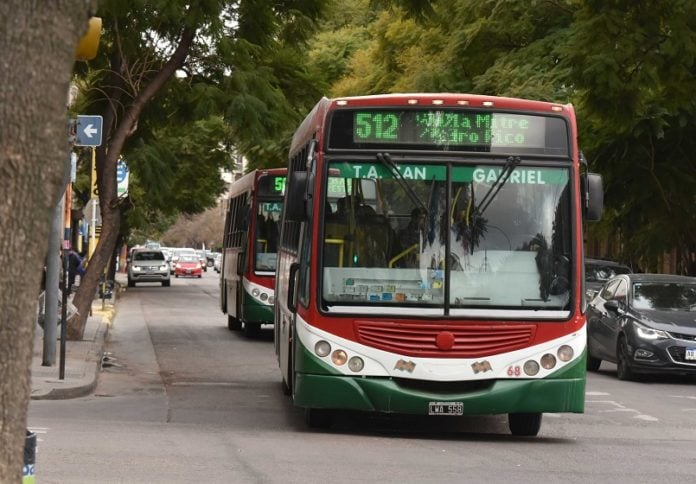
52, 291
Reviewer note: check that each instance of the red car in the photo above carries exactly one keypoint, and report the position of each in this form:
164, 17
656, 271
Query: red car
188, 266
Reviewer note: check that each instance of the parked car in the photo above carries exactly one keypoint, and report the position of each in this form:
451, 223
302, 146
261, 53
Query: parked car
217, 261
203, 259
599, 271
645, 323
188, 265
146, 265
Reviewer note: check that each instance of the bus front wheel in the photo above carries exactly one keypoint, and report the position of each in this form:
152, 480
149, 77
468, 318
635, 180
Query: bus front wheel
318, 418
524, 424
233, 324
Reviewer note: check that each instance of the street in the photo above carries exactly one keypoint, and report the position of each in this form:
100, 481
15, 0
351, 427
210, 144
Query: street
182, 399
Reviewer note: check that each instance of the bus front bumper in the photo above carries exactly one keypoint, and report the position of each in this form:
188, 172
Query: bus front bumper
388, 395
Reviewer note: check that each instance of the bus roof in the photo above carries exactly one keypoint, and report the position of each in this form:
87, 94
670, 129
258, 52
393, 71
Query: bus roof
311, 126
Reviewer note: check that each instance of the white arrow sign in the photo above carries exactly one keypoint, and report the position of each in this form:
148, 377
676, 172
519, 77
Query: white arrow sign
90, 130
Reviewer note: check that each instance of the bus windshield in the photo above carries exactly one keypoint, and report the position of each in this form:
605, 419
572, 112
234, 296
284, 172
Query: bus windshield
497, 249
267, 234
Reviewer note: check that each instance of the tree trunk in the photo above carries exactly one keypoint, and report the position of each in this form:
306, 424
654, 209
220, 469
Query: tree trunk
38, 52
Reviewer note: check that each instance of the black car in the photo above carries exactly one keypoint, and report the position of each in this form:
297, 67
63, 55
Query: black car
645, 323
599, 271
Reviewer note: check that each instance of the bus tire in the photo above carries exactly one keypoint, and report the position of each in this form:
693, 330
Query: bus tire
318, 418
524, 424
593, 363
252, 329
233, 324
288, 378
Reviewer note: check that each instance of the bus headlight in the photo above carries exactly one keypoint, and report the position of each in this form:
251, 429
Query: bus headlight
322, 348
548, 361
531, 367
565, 353
263, 296
339, 357
356, 364
255, 292
271, 299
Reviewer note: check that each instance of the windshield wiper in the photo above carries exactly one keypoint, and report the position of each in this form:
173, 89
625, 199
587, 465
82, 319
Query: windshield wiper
386, 160
509, 166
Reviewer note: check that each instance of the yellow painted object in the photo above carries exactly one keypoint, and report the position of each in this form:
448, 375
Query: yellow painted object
88, 45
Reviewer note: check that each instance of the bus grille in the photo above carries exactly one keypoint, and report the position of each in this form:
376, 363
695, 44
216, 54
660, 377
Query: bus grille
425, 339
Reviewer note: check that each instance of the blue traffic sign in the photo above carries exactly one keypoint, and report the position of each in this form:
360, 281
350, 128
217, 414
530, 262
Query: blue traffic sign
88, 131
121, 171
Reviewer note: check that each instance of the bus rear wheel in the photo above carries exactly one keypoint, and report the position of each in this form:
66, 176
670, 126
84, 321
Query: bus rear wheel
233, 324
524, 424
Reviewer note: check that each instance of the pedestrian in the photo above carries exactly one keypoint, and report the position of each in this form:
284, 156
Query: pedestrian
75, 267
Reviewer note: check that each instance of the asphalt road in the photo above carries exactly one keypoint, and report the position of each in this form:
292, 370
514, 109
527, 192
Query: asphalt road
182, 399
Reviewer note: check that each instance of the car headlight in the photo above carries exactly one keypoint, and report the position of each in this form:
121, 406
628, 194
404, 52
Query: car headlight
648, 333
136, 268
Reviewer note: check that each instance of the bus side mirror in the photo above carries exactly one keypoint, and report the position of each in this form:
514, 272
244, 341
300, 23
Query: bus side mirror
296, 197
292, 283
593, 194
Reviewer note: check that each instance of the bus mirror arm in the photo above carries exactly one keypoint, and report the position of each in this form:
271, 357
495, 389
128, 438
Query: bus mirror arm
292, 280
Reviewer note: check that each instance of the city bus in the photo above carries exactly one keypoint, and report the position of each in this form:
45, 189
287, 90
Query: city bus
456, 287
250, 244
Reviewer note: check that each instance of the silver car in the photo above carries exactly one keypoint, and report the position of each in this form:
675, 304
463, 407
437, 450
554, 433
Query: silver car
146, 265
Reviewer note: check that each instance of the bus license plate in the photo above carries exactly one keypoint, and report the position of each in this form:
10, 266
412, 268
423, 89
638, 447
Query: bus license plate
690, 354
445, 408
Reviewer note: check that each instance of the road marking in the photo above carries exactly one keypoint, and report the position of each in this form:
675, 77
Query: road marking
622, 408
596, 394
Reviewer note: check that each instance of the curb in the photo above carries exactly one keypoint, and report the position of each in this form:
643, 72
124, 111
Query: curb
94, 360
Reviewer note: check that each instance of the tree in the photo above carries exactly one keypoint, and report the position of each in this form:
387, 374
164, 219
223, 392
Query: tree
39, 42
221, 69
628, 67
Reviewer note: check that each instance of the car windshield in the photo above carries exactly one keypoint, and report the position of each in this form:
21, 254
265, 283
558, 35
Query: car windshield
188, 258
664, 296
148, 256
385, 246
603, 272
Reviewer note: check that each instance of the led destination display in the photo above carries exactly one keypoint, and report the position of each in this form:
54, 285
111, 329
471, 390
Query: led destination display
460, 130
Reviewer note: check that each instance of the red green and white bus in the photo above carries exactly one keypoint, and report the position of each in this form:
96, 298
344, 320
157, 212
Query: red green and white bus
250, 244
431, 259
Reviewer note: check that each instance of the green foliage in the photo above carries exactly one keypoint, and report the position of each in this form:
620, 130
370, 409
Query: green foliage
628, 67
240, 91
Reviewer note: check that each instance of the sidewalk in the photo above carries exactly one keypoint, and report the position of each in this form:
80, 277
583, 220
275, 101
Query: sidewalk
82, 358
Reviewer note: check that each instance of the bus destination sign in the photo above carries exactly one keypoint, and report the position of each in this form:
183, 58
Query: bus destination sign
455, 129
271, 185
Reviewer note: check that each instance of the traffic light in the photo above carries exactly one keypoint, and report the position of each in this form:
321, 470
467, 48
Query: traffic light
89, 43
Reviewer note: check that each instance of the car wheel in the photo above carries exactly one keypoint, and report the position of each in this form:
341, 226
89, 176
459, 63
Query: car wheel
524, 424
318, 418
233, 324
623, 361
177, 276
166, 283
592, 362
200, 275
131, 283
